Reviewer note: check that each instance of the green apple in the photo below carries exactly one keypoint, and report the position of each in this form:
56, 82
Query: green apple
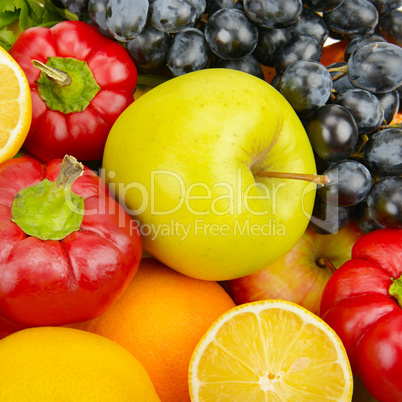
188, 161
301, 274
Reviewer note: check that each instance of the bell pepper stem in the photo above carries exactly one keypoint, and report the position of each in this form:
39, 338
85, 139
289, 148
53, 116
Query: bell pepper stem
395, 290
50, 210
70, 171
57, 76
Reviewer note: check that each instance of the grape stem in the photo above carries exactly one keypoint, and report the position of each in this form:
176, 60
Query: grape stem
364, 139
313, 178
395, 125
342, 70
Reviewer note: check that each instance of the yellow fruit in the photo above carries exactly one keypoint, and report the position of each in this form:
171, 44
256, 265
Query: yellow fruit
273, 351
15, 106
64, 364
160, 319
188, 159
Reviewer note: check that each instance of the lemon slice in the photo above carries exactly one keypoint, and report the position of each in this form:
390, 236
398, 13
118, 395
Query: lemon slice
270, 350
15, 106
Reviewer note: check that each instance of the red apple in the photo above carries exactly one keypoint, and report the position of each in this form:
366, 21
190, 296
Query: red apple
299, 276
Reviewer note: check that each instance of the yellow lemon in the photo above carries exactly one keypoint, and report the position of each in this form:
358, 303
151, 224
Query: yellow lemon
270, 350
15, 106
64, 364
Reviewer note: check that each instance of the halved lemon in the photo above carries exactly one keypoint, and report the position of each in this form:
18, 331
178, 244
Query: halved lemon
15, 106
270, 350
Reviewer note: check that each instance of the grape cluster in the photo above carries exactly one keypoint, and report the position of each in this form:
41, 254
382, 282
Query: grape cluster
236, 34
346, 107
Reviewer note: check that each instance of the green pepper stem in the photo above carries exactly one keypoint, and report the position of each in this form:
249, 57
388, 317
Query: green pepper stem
395, 290
70, 171
55, 75
50, 210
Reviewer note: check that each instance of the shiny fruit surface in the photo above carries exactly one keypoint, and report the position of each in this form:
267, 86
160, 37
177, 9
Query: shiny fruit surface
56, 363
299, 276
160, 319
187, 160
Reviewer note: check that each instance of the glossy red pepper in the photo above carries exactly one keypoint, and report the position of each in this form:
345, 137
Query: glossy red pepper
68, 250
362, 302
74, 117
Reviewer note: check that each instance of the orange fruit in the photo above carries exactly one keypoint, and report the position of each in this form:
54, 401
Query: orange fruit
65, 364
397, 118
15, 105
333, 53
271, 350
160, 318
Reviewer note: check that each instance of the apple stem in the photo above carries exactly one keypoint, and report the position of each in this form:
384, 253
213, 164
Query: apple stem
314, 178
324, 262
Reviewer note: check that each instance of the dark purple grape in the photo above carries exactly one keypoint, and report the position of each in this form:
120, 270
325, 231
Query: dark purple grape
390, 104
364, 220
376, 67
323, 5
172, 16
188, 52
383, 152
97, 14
306, 85
273, 13
359, 41
299, 47
248, 64
340, 80
385, 202
329, 219
230, 34
311, 23
78, 7
276, 81
364, 107
149, 49
352, 17
200, 6
126, 19
384, 6
332, 132
269, 43
399, 90
321, 164
335, 35
215, 5
391, 26
349, 183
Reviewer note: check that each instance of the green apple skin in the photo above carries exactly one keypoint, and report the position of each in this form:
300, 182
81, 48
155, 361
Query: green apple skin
182, 157
300, 275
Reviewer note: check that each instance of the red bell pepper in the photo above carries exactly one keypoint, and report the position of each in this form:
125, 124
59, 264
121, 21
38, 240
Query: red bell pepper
362, 302
68, 250
72, 114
